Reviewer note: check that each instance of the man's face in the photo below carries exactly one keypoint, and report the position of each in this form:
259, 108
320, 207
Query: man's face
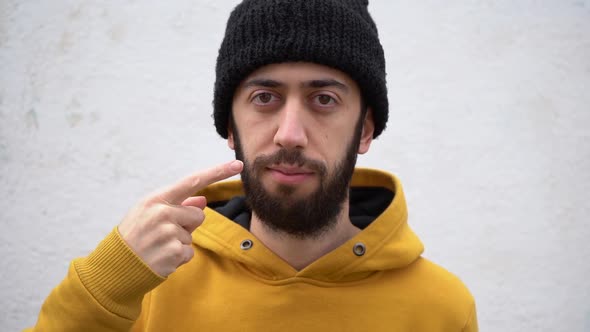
298, 128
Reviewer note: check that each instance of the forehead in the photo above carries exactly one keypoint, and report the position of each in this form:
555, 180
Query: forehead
300, 72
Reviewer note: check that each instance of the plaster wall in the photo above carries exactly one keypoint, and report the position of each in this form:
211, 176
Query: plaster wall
102, 102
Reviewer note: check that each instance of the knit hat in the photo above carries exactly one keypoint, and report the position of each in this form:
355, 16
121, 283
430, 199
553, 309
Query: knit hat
337, 33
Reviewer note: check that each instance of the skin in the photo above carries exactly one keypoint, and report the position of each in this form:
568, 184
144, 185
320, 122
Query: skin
303, 106
159, 228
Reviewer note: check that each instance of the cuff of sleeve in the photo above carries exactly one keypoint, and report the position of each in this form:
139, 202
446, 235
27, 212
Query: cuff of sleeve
116, 277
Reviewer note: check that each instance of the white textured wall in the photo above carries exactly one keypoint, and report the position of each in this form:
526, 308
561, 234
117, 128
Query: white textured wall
103, 102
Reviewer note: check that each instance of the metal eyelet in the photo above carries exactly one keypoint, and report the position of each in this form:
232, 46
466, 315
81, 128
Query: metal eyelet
246, 244
359, 249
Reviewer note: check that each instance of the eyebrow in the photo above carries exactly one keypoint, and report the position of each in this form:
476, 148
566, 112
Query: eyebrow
325, 83
267, 83
322, 83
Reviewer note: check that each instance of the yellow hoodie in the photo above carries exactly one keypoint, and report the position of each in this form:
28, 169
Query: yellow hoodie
377, 281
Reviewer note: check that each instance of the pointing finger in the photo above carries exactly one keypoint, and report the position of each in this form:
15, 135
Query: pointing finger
188, 186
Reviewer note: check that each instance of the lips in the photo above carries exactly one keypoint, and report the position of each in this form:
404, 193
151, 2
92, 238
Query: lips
290, 175
290, 170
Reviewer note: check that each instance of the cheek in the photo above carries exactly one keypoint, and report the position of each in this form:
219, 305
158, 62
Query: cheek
333, 141
254, 140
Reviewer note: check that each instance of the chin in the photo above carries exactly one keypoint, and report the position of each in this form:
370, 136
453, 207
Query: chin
292, 191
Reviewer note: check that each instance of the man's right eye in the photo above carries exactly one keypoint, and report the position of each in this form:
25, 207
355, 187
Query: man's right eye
263, 98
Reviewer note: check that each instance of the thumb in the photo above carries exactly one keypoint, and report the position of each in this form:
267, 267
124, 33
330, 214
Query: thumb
196, 201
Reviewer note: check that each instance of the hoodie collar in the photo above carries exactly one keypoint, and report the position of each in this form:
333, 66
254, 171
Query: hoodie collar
386, 241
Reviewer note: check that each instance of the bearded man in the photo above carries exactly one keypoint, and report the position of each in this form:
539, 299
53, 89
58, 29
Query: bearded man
305, 242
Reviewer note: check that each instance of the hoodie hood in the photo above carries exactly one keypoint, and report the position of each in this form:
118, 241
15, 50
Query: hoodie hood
377, 207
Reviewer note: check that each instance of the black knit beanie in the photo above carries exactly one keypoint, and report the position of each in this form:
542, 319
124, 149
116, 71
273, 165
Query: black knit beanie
337, 33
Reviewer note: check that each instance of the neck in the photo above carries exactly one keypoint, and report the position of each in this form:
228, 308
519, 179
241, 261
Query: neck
300, 252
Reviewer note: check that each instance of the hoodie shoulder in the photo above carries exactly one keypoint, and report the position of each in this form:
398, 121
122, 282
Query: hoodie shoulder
440, 291
439, 276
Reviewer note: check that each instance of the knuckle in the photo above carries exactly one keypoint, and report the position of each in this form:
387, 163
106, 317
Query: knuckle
162, 212
176, 251
219, 171
168, 230
195, 182
186, 238
199, 214
190, 227
168, 270
190, 253
196, 216
153, 200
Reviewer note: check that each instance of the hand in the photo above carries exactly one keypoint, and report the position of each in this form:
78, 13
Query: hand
159, 229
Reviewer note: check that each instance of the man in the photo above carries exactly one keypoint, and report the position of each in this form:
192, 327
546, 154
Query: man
300, 91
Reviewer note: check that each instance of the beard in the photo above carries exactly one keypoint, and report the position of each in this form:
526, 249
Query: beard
300, 217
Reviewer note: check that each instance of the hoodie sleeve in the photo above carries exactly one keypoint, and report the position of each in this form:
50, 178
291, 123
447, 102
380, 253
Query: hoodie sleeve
101, 292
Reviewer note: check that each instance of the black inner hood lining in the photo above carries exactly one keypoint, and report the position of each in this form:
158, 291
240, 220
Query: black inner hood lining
366, 204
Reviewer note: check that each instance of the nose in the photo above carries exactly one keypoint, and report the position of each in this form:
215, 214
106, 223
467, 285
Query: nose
291, 132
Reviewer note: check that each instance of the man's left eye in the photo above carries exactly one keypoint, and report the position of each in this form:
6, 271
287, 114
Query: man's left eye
324, 100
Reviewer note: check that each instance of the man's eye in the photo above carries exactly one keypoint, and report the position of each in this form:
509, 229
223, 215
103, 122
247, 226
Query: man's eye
263, 98
325, 100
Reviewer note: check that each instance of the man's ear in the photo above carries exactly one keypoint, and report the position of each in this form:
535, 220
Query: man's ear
230, 136
367, 134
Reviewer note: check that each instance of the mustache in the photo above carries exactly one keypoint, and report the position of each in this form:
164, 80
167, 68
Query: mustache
293, 157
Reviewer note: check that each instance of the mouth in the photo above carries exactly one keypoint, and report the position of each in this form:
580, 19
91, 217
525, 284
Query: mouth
291, 175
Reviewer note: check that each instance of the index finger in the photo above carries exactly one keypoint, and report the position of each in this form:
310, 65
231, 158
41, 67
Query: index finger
188, 186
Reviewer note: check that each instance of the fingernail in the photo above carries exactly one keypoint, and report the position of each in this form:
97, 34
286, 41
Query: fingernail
236, 166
